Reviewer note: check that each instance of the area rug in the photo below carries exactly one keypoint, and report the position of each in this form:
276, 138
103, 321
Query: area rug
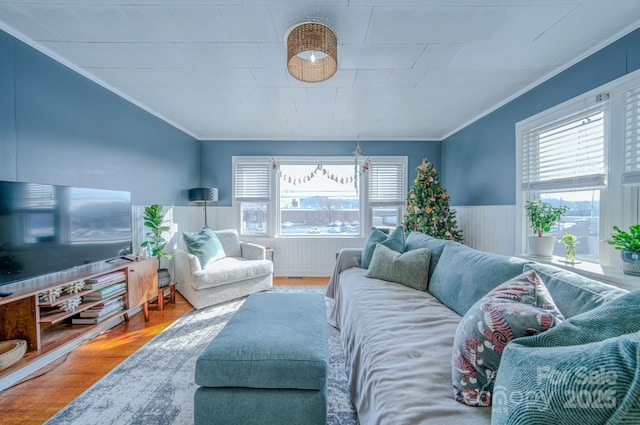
155, 385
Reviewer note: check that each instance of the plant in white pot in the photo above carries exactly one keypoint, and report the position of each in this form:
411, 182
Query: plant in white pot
542, 216
629, 244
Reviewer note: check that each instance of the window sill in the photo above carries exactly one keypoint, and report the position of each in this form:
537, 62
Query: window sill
612, 276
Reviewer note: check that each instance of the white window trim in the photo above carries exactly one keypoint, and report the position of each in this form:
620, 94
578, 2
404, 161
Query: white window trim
620, 204
273, 227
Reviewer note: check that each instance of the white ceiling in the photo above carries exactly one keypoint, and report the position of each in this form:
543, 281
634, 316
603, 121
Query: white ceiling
407, 69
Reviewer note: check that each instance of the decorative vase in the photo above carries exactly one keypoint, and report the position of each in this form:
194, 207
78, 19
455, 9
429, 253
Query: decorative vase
569, 253
541, 246
164, 278
630, 262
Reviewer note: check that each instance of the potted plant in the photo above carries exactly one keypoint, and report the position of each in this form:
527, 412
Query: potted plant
542, 216
155, 243
570, 241
629, 244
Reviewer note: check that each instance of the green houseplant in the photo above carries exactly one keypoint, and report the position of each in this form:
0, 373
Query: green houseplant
570, 241
542, 216
155, 243
629, 244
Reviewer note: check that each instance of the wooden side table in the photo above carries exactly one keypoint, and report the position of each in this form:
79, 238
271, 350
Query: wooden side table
165, 297
268, 253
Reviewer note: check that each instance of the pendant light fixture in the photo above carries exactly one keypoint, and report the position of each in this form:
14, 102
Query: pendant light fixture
312, 52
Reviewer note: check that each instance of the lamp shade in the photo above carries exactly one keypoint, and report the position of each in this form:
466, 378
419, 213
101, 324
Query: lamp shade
312, 52
203, 194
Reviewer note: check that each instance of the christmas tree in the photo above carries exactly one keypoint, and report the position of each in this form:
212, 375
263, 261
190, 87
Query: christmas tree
428, 206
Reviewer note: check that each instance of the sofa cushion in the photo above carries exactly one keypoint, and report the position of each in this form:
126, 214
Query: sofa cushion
584, 371
417, 240
204, 245
272, 341
230, 242
519, 307
463, 275
574, 294
410, 268
395, 241
230, 270
397, 347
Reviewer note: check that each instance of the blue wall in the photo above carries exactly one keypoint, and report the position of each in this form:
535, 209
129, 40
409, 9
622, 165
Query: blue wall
217, 169
58, 127
478, 162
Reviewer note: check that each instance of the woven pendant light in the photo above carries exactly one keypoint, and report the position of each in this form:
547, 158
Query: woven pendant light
312, 52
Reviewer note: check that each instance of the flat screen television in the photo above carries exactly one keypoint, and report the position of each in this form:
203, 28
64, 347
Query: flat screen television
48, 228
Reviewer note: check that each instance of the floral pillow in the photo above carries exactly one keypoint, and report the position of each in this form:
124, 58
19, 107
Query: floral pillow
519, 307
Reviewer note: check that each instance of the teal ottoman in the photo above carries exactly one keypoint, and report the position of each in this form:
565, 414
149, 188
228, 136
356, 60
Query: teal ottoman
268, 365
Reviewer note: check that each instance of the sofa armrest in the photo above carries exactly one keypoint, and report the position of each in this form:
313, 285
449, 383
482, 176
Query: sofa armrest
347, 259
252, 251
186, 265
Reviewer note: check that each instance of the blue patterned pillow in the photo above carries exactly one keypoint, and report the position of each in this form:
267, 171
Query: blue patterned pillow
205, 245
519, 307
394, 241
586, 371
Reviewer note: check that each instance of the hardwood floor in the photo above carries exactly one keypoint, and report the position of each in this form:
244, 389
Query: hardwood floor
51, 388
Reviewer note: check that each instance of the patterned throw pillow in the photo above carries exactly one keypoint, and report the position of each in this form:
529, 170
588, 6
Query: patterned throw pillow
519, 307
205, 245
586, 371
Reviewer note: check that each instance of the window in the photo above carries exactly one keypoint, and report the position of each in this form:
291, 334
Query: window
573, 155
387, 191
318, 197
563, 163
253, 194
328, 196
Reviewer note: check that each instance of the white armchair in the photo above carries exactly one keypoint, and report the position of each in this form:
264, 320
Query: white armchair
243, 271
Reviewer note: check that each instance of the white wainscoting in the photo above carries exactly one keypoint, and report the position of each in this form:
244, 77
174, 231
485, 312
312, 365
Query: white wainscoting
293, 256
488, 228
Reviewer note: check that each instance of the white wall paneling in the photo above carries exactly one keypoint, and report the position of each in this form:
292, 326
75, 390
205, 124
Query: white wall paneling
488, 228
293, 256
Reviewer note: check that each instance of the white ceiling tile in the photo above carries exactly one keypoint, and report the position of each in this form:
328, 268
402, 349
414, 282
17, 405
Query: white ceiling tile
375, 56
221, 55
119, 55
202, 23
438, 55
388, 78
250, 24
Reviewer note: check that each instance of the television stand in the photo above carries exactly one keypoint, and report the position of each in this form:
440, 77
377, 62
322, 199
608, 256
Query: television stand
47, 311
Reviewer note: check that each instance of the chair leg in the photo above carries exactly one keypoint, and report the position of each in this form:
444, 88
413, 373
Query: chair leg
161, 299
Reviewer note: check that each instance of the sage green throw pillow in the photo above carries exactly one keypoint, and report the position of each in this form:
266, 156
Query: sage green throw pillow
410, 268
395, 241
205, 245
585, 371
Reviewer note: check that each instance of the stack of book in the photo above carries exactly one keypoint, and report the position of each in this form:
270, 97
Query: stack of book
105, 280
100, 312
106, 292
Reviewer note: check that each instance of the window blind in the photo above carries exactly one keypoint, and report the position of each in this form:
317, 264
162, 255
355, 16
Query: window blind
565, 154
631, 175
253, 180
387, 181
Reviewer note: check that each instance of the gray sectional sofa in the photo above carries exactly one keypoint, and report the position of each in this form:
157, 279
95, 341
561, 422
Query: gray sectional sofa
398, 340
